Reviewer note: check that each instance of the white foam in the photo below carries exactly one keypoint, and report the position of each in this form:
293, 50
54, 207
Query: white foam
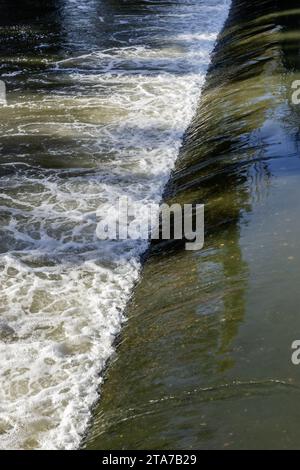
63, 292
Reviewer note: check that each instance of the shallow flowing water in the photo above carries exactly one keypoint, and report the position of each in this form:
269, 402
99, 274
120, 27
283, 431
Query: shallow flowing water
99, 96
205, 359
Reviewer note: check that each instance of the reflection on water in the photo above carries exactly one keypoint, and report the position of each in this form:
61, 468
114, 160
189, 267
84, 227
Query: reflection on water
100, 94
204, 361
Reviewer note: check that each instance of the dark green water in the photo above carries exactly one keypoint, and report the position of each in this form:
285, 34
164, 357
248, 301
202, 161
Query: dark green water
205, 358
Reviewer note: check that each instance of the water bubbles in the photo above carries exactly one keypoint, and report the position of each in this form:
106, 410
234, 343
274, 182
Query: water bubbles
103, 123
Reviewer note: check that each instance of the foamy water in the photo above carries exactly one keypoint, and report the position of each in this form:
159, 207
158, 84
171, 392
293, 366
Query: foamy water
114, 130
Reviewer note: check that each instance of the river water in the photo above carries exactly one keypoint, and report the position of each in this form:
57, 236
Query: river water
205, 360
99, 95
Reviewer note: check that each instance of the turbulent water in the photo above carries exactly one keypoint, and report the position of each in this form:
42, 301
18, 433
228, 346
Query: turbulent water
100, 94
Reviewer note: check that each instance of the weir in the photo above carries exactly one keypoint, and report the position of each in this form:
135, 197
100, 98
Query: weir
205, 358
99, 95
